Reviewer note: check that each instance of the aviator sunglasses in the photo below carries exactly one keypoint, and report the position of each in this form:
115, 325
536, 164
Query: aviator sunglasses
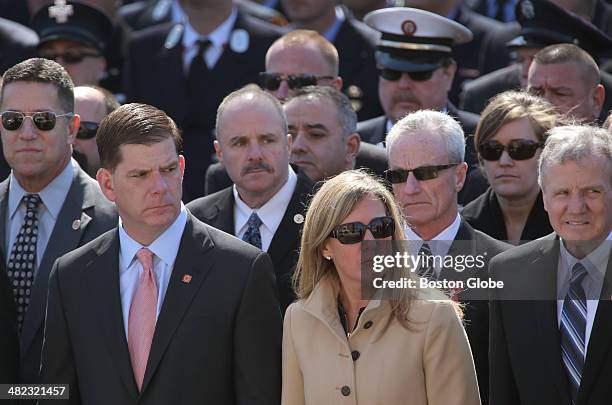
394, 75
518, 149
43, 120
87, 130
272, 81
421, 173
354, 232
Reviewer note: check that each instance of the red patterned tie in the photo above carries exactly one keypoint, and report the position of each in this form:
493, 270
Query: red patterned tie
141, 322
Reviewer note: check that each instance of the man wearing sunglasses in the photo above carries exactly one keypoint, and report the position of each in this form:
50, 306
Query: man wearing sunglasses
416, 68
76, 38
48, 205
266, 205
426, 152
92, 104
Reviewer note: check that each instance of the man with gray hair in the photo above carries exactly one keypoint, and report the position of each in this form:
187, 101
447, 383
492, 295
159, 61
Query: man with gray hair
322, 125
265, 206
553, 346
426, 152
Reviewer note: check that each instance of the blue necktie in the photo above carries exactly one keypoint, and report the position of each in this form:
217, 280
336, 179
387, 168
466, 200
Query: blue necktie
252, 234
573, 327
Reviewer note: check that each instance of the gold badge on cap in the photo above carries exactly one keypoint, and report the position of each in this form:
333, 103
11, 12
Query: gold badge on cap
409, 27
298, 218
76, 224
527, 9
60, 11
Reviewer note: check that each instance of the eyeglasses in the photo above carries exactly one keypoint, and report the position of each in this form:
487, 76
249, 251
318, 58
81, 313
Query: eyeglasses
421, 173
272, 81
518, 149
87, 130
394, 75
69, 57
43, 120
354, 232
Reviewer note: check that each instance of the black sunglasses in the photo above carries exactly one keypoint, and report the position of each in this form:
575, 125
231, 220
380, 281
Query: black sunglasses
394, 75
69, 57
87, 130
518, 149
272, 81
354, 232
43, 120
421, 173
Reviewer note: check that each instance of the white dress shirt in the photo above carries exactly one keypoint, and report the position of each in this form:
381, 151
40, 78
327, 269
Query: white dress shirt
52, 199
595, 264
439, 244
219, 38
271, 213
164, 248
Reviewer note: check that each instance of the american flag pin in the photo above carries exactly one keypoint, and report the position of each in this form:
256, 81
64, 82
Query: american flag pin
186, 278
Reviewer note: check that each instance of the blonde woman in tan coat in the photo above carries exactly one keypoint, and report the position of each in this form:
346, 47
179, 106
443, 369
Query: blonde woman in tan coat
339, 348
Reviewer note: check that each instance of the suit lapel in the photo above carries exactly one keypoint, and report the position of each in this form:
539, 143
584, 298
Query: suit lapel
175, 85
461, 245
109, 309
64, 238
3, 213
193, 259
223, 211
600, 341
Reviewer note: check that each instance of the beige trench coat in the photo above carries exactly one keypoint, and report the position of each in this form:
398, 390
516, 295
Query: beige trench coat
430, 365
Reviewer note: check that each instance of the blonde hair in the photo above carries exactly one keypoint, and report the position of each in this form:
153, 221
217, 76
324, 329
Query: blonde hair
334, 201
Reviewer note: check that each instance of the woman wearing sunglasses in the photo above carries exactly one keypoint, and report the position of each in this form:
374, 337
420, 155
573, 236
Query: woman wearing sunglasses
339, 346
509, 139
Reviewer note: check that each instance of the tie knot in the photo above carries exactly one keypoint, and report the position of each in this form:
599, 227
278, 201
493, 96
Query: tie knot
578, 273
203, 44
31, 201
254, 221
145, 256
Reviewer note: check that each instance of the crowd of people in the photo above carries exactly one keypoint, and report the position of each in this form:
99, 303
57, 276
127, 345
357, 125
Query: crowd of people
194, 191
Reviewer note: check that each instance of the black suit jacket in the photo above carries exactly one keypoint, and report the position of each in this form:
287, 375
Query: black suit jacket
218, 210
154, 75
484, 214
525, 355
84, 203
356, 44
217, 339
9, 339
470, 242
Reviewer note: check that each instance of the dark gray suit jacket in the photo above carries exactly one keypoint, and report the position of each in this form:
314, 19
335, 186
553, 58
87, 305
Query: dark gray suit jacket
217, 339
84, 202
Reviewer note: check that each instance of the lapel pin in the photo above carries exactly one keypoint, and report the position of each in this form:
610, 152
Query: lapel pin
298, 218
76, 224
186, 278
239, 40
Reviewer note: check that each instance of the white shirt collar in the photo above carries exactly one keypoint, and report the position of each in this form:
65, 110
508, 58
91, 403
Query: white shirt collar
595, 262
444, 238
52, 196
165, 247
272, 212
219, 37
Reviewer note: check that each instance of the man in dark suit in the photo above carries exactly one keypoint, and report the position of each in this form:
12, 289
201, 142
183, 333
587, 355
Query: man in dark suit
427, 171
416, 71
267, 204
187, 67
551, 335
44, 183
355, 42
164, 305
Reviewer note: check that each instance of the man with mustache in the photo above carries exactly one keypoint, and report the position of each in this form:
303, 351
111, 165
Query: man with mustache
265, 206
416, 68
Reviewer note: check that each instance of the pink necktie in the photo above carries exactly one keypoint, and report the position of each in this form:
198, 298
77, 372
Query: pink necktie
141, 321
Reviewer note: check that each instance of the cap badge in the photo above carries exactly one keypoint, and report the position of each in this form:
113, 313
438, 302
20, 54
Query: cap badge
61, 11
527, 9
409, 27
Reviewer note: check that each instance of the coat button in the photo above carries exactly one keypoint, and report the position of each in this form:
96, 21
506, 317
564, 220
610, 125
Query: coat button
368, 325
346, 391
355, 354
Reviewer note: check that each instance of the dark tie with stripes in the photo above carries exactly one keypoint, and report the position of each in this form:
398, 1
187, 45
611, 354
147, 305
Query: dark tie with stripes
573, 327
426, 270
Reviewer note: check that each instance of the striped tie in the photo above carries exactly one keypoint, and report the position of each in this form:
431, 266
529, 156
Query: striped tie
426, 270
573, 326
